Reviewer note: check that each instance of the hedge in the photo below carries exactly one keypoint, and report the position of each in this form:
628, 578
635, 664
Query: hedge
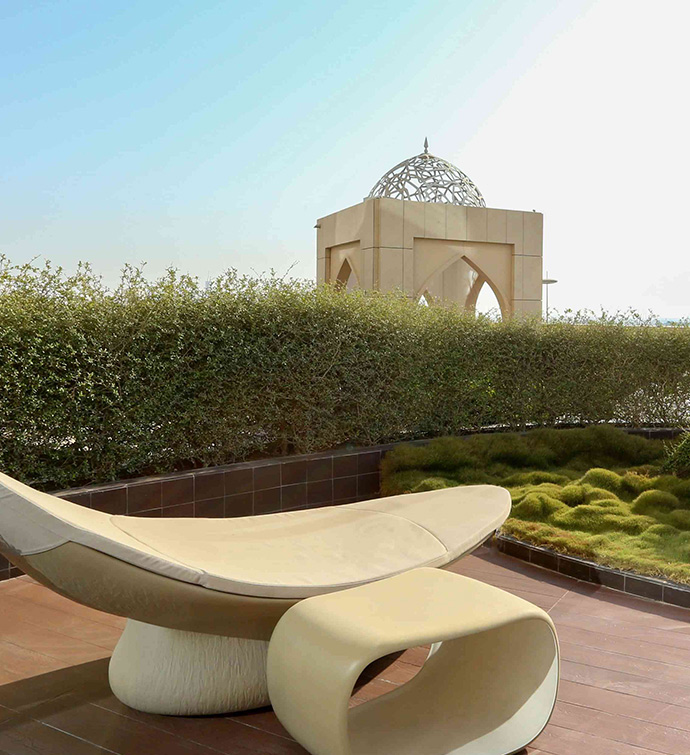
98, 384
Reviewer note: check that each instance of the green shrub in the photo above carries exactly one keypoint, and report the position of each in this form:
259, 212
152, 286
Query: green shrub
155, 376
678, 456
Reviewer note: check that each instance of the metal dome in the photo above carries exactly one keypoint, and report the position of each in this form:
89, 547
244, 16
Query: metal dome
427, 178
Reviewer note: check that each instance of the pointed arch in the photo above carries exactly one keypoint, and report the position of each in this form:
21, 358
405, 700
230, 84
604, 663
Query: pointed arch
425, 299
439, 271
482, 279
347, 277
473, 295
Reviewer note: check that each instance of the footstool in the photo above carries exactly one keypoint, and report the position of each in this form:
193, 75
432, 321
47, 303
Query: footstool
488, 686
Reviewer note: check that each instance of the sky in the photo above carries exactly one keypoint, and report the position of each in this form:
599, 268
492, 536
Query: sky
207, 135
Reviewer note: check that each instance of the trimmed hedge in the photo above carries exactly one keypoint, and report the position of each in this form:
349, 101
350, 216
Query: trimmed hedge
154, 376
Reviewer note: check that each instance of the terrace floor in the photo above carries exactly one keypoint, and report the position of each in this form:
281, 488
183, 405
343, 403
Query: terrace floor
625, 677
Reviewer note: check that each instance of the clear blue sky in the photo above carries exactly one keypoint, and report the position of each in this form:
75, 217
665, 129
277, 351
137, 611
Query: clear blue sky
208, 135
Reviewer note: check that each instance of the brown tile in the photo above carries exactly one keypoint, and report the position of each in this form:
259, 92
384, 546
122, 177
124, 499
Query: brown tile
241, 504
57, 688
267, 501
293, 472
46, 642
83, 499
345, 501
180, 490
344, 487
32, 593
143, 496
345, 466
544, 558
111, 501
181, 510
294, 495
677, 596
320, 492
4, 563
644, 588
209, 485
239, 481
320, 469
62, 621
368, 462
608, 578
15, 571
20, 663
239, 734
210, 508
368, 485
19, 736
116, 733
569, 566
267, 477
149, 513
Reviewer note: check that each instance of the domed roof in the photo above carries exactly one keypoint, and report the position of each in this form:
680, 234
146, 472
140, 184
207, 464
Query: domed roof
427, 178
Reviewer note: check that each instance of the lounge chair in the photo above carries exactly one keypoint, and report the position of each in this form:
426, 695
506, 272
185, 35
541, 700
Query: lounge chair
202, 596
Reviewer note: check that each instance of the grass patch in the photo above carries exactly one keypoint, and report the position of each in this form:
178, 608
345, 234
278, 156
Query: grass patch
595, 492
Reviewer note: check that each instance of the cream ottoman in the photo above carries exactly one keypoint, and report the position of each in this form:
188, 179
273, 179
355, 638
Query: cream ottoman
488, 686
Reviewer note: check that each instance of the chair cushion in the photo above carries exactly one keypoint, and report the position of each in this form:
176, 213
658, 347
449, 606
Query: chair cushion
293, 554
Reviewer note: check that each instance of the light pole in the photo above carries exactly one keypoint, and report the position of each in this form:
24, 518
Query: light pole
547, 282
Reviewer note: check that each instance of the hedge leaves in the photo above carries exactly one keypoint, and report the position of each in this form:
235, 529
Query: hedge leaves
97, 384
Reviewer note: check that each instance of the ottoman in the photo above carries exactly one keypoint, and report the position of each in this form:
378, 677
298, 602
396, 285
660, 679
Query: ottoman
488, 686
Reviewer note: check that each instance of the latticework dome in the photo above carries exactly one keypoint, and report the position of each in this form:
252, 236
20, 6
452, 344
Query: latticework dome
427, 178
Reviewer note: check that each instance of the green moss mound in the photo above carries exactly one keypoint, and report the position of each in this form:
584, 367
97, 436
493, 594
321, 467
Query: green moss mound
538, 507
603, 478
597, 492
653, 501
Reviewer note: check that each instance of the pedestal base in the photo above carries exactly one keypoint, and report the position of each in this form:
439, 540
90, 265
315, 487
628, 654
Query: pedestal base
172, 672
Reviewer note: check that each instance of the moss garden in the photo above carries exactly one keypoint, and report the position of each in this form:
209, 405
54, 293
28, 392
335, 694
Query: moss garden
596, 492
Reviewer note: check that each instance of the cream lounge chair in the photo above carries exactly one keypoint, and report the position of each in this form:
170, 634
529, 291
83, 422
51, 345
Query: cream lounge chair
202, 596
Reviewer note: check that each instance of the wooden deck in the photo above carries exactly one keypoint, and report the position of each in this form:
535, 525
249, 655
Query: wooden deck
625, 678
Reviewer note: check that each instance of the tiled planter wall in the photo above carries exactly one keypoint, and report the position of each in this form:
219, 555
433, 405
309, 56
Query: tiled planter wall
587, 571
256, 487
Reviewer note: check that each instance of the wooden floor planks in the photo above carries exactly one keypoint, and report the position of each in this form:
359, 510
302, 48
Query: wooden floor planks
625, 678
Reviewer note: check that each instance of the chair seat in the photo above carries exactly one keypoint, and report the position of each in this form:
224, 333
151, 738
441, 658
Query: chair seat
292, 554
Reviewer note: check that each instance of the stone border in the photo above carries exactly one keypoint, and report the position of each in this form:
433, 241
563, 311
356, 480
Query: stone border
587, 571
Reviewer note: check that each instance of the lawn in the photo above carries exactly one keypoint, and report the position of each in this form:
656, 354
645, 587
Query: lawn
594, 492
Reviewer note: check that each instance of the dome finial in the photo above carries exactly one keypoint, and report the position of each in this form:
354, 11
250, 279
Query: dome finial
427, 178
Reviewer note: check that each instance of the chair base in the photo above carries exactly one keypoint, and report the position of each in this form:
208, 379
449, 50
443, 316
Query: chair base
172, 672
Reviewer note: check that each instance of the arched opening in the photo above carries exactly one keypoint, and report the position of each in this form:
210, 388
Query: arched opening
346, 278
487, 303
484, 297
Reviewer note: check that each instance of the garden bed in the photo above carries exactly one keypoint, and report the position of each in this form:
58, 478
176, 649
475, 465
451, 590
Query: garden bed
596, 493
